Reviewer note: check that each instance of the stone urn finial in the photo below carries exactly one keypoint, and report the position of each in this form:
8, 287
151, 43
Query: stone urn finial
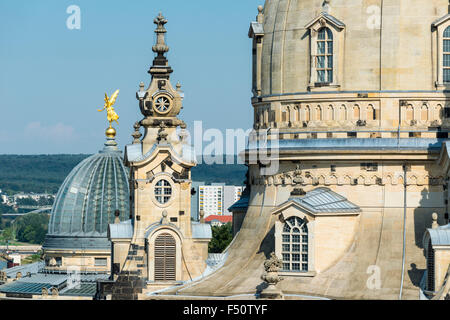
55, 291
270, 276
3, 276
164, 219
137, 134
435, 223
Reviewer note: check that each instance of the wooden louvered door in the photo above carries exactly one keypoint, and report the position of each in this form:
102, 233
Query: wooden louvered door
165, 258
430, 268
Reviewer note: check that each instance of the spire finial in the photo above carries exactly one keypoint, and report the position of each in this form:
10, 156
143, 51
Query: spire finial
160, 68
326, 6
260, 16
160, 48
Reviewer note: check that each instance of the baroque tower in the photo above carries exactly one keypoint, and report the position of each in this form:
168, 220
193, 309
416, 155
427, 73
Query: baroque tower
159, 246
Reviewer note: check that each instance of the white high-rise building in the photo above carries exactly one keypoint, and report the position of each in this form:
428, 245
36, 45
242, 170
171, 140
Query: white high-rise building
211, 200
217, 198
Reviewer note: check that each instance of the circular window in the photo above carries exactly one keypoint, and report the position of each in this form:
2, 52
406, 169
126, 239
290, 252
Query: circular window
163, 191
162, 104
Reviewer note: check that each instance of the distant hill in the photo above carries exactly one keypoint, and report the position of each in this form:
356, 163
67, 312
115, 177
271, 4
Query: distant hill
45, 173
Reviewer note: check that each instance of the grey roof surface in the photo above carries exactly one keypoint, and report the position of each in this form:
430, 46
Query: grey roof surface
83, 290
24, 288
133, 152
77, 242
87, 199
201, 231
32, 268
256, 28
323, 200
242, 203
123, 230
48, 278
351, 143
35, 283
440, 236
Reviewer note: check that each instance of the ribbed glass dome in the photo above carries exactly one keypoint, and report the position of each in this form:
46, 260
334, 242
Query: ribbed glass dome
86, 202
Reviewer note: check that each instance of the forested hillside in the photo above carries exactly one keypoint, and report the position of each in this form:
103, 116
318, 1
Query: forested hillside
45, 173
35, 173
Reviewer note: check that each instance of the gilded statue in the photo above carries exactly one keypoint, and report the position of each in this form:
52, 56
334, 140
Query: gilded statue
111, 113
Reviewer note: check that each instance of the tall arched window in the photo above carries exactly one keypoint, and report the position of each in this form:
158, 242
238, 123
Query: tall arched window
446, 51
295, 245
165, 258
325, 56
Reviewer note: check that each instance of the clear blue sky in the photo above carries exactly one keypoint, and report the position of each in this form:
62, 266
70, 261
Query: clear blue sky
52, 79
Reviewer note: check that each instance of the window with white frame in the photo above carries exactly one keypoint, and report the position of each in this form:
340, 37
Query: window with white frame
100, 262
295, 245
324, 57
326, 35
163, 191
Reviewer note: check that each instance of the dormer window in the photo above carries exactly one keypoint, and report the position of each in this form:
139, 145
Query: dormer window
441, 58
326, 38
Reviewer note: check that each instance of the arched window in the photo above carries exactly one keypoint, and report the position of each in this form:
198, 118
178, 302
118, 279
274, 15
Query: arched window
409, 113
446, 51
424, 113
325, 56
356, 112
371, 113
318, 113
330, 115
295, 245
165, 258
307, 114
343, 113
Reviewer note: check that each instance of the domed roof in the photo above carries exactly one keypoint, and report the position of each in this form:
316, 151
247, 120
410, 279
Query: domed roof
399, 43
87, 200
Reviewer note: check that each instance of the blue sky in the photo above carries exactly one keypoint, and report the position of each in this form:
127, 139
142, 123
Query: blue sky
53, 80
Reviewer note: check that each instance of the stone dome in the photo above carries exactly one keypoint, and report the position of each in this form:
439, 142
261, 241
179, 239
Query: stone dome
395, 41
87, 200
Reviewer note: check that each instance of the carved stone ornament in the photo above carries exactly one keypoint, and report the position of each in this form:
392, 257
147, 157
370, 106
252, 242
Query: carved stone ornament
322, 22
270, 277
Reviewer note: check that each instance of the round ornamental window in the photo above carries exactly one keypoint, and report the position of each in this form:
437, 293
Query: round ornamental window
162, 104
163, 191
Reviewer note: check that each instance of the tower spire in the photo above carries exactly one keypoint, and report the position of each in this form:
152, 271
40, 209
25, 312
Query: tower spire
160, 68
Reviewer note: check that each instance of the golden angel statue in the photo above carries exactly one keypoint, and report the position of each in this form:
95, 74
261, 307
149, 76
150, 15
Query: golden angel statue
109, 102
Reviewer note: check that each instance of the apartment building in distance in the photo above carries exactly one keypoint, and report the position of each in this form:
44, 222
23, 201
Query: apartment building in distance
215, 199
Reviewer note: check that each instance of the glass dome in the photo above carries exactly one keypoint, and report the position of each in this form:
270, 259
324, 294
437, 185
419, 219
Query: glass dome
86, 202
